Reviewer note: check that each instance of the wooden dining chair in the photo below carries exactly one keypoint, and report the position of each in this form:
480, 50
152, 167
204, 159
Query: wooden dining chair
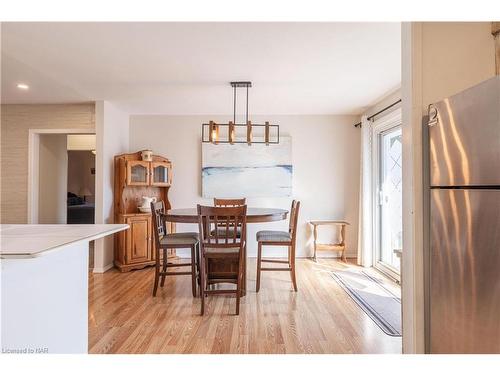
165, 241
216, 250
279, 238
223, 202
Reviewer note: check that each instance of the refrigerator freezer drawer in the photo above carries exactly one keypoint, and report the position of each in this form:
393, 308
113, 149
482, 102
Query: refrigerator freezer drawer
465, 271
464, 133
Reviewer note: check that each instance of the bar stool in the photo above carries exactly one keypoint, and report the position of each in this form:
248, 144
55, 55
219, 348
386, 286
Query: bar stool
164, 241
279, 238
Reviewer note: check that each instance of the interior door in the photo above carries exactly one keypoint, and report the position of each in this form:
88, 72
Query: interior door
139, 239
390, 214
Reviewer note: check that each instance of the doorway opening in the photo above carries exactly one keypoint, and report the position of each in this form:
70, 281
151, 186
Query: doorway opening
81, 179
61, 188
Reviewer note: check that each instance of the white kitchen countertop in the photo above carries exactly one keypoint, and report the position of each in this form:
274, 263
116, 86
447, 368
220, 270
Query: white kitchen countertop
33, 240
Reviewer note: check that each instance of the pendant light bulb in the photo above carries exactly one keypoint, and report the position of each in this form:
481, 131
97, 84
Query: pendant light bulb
231, 132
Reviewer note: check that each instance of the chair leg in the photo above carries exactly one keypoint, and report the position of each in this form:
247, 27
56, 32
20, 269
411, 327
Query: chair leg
202, 284
193, 271
259, 258
292, 267
157, 273
239, 284
198, 264
164, 268
238, 293
244, 266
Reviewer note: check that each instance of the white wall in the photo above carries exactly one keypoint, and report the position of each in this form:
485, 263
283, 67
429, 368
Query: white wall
455, 56
112, 137
81, 142
53, 175
325, 168
385, 101
438, 60
17, 120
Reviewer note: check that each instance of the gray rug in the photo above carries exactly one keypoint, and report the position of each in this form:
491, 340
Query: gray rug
378, 302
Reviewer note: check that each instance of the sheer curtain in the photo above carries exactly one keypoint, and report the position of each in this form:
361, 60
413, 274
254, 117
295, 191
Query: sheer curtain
365, 227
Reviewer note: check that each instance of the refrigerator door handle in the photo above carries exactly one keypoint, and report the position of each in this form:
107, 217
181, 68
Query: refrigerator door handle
433, 116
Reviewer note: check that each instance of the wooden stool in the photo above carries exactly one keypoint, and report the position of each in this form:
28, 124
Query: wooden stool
340, 246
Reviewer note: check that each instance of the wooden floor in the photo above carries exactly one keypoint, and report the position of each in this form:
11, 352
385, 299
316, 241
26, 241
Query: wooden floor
319, 318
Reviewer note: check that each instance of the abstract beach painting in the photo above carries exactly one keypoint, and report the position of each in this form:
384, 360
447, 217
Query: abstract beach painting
239, 170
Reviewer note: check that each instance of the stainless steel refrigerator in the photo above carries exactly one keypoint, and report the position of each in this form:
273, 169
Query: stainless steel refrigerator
464, 227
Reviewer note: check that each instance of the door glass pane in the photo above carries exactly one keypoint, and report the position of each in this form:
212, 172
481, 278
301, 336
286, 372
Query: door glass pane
138, 173
391, 215
160, 174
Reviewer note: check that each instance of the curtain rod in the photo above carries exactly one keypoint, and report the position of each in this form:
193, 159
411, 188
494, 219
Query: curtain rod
379, 112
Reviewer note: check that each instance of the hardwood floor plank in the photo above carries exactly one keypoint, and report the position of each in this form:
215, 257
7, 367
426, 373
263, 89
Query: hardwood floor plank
319, 318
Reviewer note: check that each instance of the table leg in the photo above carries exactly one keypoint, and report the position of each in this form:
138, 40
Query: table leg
315, 241
244, 281
342, 234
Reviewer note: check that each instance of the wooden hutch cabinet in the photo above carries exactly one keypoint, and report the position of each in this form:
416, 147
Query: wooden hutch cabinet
135, 178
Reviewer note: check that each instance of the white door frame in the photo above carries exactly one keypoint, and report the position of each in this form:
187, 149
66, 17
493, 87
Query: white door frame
385, 123
412, 270
33, 165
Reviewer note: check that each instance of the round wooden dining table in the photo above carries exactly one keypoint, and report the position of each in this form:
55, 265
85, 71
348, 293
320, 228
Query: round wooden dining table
254, 215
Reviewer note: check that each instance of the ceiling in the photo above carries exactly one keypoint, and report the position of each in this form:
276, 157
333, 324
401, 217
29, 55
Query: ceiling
185, 68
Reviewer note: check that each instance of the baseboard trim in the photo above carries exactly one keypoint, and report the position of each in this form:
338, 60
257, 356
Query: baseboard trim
102, 269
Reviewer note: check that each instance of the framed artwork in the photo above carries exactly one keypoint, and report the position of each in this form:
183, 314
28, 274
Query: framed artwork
240, 170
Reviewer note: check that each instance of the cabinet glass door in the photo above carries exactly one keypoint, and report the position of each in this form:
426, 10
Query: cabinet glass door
161, 174
138, 173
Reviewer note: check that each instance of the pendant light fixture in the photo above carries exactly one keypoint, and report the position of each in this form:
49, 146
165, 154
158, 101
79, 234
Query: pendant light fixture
228, 133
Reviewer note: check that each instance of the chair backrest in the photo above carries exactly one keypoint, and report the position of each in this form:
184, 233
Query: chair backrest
294, 216
220, 202
211, 218
223, 202
157, 210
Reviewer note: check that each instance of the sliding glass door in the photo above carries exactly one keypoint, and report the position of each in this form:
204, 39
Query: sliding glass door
388, 211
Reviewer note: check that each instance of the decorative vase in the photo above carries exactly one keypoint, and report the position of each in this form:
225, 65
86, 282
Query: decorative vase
147, 155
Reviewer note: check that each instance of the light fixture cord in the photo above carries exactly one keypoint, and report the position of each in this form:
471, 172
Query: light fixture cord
234, 105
